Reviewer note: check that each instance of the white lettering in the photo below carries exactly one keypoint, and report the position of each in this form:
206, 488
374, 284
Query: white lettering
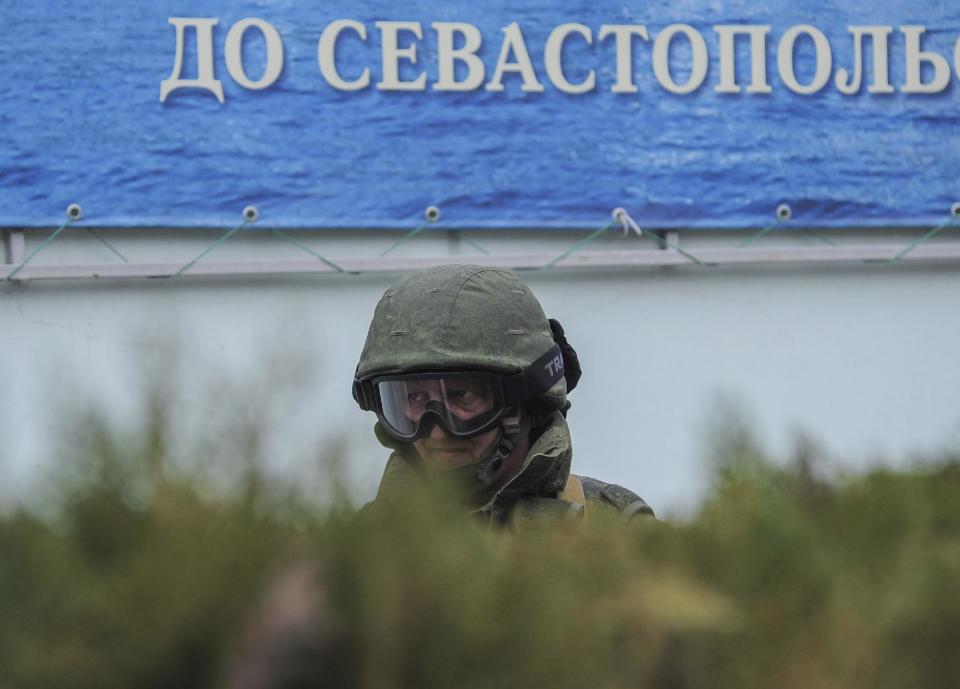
553, 58
233, 52
956, 57
327, 55
824, 58
624, 34
448, 56
850, 84
758, 58
392, 54
555, 365
661, 58
205, 78
915, 57
513, 43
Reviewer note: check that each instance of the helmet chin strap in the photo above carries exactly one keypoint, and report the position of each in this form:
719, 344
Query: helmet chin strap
484, 475
513, 431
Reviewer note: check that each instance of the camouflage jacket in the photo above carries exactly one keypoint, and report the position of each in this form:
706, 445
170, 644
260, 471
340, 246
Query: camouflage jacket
543, 488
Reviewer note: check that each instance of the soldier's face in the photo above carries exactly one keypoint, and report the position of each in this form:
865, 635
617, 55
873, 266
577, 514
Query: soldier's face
441, 451
463, 396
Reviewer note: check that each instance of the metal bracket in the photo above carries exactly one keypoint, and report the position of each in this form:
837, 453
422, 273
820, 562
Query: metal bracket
454, 242
14, 247
945, 252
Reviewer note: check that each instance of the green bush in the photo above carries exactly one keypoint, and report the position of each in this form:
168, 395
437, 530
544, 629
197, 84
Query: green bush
138, 571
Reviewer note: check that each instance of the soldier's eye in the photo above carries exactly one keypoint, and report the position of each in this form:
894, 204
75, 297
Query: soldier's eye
417, 397
464, 397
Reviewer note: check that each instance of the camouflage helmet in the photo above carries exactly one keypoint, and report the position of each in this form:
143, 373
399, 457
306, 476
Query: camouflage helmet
462, 317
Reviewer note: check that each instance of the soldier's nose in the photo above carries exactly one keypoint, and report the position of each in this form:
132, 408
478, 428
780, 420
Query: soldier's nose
437, 432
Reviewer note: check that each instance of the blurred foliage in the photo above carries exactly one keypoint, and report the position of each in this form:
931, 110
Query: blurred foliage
137, 571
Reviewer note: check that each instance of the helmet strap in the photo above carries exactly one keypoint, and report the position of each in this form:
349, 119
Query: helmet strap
514, 433
482, 478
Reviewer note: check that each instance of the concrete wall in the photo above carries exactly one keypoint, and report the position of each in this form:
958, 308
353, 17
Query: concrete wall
864, 357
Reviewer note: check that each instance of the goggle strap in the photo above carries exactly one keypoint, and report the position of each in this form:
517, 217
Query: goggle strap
360, 394
539, 377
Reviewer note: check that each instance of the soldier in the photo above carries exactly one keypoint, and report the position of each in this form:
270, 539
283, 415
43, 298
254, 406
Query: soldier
469, 381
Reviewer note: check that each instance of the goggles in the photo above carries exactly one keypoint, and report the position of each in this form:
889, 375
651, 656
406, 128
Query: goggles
464, 403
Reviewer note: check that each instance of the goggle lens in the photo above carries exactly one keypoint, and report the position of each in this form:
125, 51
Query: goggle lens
464, 404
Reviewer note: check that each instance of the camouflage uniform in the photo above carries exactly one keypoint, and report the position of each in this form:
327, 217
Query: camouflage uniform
455, 318
544, 488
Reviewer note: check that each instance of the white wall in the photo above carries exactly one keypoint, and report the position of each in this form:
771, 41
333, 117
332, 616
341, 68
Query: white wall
864, 357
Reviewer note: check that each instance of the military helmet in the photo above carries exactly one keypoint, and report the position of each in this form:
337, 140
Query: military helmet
478, 326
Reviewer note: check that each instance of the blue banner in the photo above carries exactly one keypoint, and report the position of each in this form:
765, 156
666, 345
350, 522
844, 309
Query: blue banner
520, 114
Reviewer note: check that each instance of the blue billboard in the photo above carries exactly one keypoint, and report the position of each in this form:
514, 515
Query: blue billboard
520, 114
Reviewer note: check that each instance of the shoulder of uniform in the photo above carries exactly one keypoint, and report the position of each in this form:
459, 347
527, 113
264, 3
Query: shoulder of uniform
622, 499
